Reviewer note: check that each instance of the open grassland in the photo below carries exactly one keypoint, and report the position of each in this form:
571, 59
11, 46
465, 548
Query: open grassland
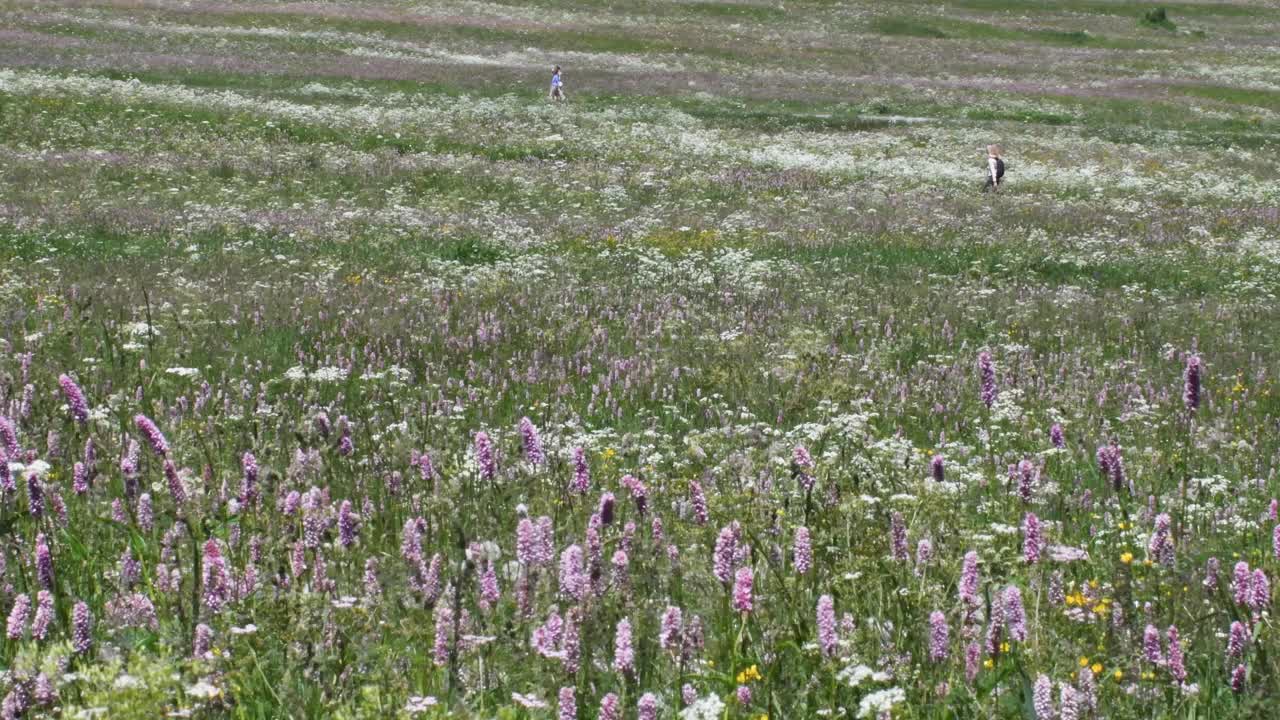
344, 375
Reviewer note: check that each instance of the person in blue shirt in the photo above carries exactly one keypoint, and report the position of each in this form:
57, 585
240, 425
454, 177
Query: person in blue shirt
557, 85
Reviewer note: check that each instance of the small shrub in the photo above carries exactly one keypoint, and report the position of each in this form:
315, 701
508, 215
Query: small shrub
1159, 18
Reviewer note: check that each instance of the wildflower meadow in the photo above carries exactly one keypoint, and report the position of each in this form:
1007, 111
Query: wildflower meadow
345, 374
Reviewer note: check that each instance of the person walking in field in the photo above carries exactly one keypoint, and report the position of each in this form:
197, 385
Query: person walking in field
557, 85
995, 169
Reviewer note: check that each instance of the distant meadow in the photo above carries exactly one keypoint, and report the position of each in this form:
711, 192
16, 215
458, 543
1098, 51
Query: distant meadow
344, 374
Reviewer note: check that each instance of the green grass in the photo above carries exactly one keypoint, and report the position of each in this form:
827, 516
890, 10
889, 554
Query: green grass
943, 28
907, 27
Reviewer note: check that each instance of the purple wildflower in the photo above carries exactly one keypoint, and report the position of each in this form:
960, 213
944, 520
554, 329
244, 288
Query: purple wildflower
44, 615
444, 628
898, 537
742, 584
672, 624
546, 541
215, 579
426, 470
146, 514
972, 658
1056, 437
129, 463
1211, 568
924, 554
17, 623
1260, 590
526, 542
1118, 479
699, 502
610, 708
639, 493
647, 708
687, 694
1015, 618
573, 578
177, 489
79, 479
938, 466
7, 483
1160, 546
1191, 384
545, 639
1068, 703
827, 626
571, 641
203, 641
722, 560
802, 467
1236, 640
968, 588
75, 399
44, 563
347, 522
1238, 678
1088, 688
1243, 583
532, 444
1176, 666
9, 437
249, 483
693, 639
1151, 645
35, 495
152, 435
568, 705
802, 550
624, 656
743, 695
1042, 697
581, 472
987, 373
939, 637
1104, 460
605, 510
1028, 474
484, 456
1031, 539
81, 628
45, 691
129, 570
620, 561
489, 591
372, 587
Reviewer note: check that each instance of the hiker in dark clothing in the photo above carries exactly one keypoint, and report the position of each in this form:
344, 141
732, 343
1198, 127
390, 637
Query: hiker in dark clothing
995, 169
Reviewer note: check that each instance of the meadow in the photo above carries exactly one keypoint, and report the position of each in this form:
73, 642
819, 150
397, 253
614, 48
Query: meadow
345, 375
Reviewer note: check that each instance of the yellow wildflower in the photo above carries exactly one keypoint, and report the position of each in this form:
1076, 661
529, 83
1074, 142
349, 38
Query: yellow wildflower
751, 674
1126, 558
1084, 661
1118, 675
1097, 668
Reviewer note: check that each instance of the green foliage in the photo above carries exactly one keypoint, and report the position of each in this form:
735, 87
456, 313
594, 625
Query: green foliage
1158, 18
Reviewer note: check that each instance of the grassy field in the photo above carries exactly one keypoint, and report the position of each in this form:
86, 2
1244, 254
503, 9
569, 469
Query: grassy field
345, 375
